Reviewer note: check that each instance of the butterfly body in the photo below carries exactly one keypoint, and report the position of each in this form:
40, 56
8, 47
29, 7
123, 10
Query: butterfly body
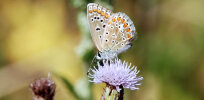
112, 33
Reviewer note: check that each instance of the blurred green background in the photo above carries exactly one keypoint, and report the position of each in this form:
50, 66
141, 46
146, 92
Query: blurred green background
41, 36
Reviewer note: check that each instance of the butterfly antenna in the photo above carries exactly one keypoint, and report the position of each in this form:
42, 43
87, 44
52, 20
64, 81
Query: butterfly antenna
91, 65
93, 60
116, 57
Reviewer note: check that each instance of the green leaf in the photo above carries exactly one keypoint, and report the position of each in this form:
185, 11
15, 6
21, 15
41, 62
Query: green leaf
69, 87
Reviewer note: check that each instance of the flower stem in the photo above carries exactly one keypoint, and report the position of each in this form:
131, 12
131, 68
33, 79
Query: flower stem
110, 93
37, 98
121, 93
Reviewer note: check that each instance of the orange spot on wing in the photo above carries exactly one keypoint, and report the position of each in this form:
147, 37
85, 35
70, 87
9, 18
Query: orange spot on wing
119, 19
99, 11
95, 10
125, 25
113, 19
102, 13
106, 16
109, 22
129, 36
90, 11
123, 21
128, 30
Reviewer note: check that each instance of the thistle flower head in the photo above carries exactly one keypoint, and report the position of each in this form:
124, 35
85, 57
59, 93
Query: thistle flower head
116, 73
43, 88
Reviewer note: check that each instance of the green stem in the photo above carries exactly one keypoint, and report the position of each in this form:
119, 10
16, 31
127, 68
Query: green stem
37, 98
70, 87
110, 93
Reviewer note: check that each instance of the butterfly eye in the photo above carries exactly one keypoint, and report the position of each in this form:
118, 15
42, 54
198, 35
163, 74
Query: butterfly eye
99, 55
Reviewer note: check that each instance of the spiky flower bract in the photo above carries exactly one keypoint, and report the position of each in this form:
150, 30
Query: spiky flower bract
116, 73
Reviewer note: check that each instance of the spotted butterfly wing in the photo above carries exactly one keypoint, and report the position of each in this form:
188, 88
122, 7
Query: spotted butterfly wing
98, 17
112, 33
118, 34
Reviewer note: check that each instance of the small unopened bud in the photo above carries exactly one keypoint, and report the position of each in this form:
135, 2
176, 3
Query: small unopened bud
43, 89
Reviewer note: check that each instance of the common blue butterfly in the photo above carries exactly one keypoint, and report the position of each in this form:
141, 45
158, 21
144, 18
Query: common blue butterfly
112, 33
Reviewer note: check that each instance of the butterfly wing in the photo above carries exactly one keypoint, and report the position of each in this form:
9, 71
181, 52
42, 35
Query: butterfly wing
98, 17
118, 34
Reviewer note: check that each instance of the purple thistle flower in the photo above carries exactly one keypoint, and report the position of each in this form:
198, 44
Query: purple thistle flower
116, 73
